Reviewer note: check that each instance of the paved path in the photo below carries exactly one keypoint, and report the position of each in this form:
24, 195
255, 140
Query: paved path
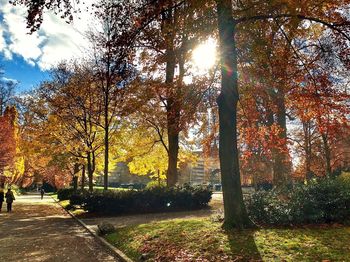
40, 230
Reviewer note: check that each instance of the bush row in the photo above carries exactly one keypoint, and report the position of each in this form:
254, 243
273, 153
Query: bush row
156, 199
65, 193
323, 201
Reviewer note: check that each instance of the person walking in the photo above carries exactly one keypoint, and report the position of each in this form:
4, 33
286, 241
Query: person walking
42, 192
2, 198
9, 199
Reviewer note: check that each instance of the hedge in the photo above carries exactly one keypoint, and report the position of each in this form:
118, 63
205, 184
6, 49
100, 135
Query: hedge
157, 199
65, 193
322, 201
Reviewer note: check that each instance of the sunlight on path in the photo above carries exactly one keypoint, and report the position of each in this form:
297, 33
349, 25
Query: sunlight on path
39, 230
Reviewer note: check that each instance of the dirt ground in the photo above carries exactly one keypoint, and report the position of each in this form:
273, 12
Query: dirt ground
40, 230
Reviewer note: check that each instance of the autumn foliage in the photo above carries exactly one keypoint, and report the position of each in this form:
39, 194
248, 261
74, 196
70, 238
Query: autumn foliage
7, 139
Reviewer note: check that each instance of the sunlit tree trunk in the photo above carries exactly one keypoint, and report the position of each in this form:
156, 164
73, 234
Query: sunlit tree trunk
234, 208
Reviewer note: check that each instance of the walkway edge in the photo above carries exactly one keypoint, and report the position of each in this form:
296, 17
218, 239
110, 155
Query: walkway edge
104, 242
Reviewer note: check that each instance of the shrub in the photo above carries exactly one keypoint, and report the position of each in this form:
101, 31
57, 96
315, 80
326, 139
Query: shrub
323, 201
65, 193
137, 186
156, 199
344, 177
49, 188
105, 228
155, 183
267, 207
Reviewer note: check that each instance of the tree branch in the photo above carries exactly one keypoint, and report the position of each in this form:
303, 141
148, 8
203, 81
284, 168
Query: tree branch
333, 26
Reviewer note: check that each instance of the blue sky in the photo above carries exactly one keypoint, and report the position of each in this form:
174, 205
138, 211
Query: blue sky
28, 58
27, 75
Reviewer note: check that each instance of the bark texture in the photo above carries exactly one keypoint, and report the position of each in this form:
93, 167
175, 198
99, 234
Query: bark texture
91, 169
172, 108
234, 208
281, 163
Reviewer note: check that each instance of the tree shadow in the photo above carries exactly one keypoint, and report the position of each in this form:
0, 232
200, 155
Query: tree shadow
242, 244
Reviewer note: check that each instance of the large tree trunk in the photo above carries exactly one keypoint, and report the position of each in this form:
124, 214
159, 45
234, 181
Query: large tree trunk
173, 146
234, 208
281, 163
75, 183
172, 109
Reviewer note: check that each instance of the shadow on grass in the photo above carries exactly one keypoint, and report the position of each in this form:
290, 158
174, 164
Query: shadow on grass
242, 245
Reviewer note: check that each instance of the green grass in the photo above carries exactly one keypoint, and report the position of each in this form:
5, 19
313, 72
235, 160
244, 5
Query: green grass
202, 239
65, 203
75, 211
111, 188
53, 195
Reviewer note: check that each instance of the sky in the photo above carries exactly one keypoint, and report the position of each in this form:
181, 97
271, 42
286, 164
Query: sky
27, 58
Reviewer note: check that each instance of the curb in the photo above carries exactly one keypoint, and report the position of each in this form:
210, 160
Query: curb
104, 242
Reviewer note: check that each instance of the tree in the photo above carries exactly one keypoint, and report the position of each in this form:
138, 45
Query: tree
141, 148
7, 88
73, 113
234, 16
113, 70
37, 8
235, 213
7, 141
175, 28
142, 151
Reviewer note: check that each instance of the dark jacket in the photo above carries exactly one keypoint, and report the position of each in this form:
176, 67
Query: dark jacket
9, 197
2, 196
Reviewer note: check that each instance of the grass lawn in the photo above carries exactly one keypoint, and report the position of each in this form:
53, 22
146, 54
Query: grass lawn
200, 239
75, 211
65, 204
111, 188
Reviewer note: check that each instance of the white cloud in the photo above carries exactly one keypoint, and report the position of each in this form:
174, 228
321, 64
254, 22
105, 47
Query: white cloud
22, 43
2, 40
54, 42
3, 45
7, 54
5, 79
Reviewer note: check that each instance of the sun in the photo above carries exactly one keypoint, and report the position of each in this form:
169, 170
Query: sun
204, 56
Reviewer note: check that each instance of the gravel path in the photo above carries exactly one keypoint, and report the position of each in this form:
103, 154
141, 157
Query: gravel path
40, 230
